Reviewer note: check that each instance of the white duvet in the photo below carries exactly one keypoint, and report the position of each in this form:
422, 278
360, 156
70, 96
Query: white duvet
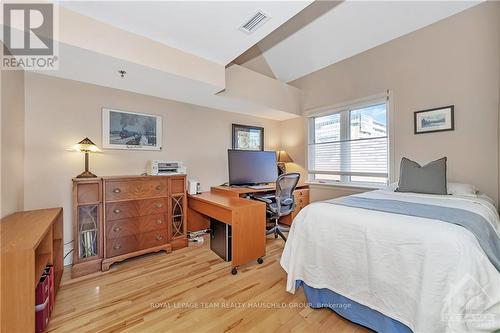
430, 275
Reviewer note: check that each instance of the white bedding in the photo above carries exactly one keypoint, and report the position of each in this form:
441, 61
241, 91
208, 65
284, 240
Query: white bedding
430, 275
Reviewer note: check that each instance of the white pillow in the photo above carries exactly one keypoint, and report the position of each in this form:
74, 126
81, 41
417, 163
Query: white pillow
453, 189
462, 189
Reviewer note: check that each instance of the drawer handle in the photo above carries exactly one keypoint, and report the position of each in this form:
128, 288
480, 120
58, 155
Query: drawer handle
159, 205
117, 190
159, 237
117, 211
158, 187
117, 229
117, 247
159, 221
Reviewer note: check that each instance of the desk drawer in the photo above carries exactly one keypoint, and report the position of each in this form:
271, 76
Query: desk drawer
136, 189
301, 193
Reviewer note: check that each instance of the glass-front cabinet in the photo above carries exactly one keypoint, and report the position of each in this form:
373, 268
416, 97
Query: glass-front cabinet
87, 226
88, 231
178, 218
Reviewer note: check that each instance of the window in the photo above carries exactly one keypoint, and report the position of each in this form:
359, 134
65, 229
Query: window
350, 145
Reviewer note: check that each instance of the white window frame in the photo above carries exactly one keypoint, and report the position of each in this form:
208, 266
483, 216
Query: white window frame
386, 98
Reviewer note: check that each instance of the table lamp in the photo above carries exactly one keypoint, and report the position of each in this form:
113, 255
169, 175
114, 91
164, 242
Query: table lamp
283, 158
86, 146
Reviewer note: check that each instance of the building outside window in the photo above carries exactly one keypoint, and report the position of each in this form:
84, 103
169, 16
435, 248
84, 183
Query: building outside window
350, 144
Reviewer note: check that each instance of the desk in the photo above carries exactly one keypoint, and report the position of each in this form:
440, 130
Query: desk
246, 217
301, 195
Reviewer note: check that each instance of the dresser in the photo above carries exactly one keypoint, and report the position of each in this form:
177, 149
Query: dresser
120, 217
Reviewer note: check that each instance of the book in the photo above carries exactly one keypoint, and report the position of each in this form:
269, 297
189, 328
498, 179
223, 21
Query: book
42, 297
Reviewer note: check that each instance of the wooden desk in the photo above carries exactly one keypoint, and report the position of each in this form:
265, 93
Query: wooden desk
29, 241
301, 195
246, 217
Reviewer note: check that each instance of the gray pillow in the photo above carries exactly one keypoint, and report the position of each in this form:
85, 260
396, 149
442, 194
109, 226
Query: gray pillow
428, 179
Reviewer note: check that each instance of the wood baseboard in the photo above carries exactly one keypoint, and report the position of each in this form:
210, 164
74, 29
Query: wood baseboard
86, 267
106, 263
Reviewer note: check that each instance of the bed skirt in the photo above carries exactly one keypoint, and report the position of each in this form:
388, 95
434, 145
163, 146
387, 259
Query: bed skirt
355, 312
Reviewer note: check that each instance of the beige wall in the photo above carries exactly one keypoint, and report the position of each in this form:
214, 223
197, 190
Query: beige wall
60, 112
454, 61
12, 141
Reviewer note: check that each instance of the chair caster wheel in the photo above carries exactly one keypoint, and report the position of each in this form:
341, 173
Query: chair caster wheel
275, 236
234, 271
260, 261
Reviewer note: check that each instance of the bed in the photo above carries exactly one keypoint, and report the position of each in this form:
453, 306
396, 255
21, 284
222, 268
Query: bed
399, 262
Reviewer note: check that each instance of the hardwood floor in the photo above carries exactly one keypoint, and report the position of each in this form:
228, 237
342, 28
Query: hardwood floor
189, 290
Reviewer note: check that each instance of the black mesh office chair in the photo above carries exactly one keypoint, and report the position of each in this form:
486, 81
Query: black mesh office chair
282, 204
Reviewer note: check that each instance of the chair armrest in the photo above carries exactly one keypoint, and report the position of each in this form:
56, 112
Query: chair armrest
267, 201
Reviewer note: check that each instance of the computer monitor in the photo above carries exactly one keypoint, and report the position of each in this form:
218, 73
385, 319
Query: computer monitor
248, 167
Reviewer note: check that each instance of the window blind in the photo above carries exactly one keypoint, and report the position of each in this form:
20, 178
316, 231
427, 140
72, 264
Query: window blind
350, 145
361, 157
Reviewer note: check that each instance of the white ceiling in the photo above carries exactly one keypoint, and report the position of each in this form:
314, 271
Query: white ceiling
351, 28
87, 66
208, 29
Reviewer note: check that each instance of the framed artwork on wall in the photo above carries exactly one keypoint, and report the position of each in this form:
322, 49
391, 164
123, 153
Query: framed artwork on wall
248, 137
131, 130
434, 120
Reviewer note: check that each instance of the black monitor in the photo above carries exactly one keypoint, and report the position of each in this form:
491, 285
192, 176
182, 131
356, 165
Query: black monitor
248, 167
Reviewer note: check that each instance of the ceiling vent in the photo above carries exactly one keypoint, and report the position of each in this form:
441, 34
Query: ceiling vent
255, 22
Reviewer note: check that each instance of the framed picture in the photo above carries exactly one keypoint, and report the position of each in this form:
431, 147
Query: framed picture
434, 120
131, 130
248, 137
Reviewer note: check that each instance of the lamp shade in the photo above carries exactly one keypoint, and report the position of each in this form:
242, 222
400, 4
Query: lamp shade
86, 145
283, 157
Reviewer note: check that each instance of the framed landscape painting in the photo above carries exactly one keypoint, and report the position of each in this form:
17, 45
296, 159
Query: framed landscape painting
434, 120
131, 130
248, 137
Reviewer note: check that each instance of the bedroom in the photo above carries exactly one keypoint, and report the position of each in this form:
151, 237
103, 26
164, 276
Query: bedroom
280, 79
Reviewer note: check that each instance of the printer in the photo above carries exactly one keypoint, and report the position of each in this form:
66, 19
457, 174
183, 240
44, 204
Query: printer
165, 168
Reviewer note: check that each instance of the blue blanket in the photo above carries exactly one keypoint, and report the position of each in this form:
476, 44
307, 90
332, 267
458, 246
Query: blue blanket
475, 223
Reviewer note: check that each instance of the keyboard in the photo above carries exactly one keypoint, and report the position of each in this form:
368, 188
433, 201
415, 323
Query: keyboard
261, 187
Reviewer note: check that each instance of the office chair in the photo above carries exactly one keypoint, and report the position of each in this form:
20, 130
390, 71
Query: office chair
282, 204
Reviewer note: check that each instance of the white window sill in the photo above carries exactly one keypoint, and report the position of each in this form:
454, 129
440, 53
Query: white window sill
361, 186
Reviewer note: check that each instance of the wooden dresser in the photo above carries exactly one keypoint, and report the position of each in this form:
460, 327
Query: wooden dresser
30, 240
133, 215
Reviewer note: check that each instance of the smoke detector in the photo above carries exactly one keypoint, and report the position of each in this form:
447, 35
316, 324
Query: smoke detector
256, 21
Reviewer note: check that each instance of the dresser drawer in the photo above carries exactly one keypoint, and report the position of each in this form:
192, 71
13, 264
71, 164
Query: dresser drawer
153, 222
136, 189
121, 228
152, 239
121, 210
152, 206
135, 225
121, 245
